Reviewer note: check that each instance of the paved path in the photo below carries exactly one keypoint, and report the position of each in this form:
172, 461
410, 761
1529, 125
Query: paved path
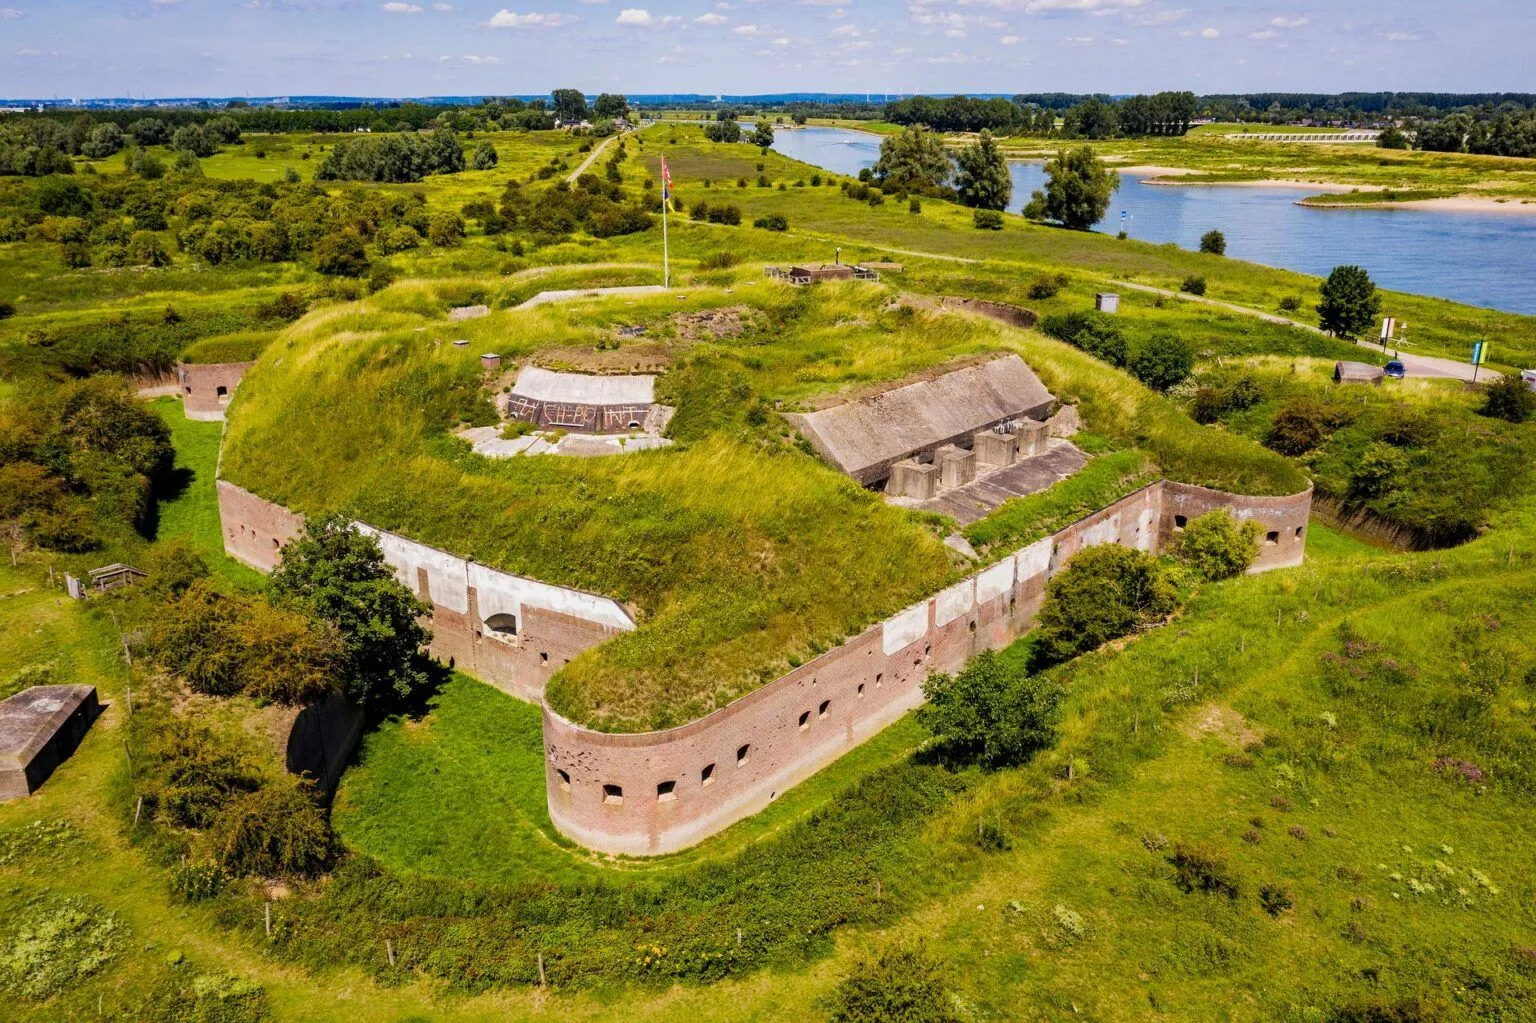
596, 152
546, 297
1427, 366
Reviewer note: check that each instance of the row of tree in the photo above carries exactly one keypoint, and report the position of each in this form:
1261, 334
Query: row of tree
408, 156
1506, 133
1091, 117
917, 161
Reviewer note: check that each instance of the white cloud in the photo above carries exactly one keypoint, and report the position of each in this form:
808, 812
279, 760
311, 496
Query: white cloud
163, 3
1092, 6
7, 13
747, 30
1288, 22
781, 41
444, 8
711, 18
1209, 33
27, 51
1010, 40
845, 30
1078, 40
1267, 33
511, 19
1400, 37
824, 3
1161, 15
393, 7
633, 16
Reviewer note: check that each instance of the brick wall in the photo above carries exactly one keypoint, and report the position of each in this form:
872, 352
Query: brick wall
659, 792
200, 385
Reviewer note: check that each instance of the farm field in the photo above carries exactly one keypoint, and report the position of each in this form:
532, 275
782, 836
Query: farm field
1307, 796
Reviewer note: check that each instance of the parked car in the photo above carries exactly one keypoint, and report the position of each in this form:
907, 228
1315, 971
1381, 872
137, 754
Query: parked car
1396, 370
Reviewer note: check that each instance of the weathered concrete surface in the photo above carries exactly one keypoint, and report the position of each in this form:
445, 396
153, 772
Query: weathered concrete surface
567, 295
985, 494
538, 384
39, 729
488, 441
458, 314
864, 438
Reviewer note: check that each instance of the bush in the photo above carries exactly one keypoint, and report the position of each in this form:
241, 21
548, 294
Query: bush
725, 215
1303, 423
445, 230
192, 772
341, 254
1198, 868
772, 222
1210, 404
987, 220
1509, 398
1194, 284
1290, 303
1093, 332
1276, 899
1217, 546
7, 309
278, 829
1048, 285
991, 713
914, 205
903, 984
1103, 593
700, 211
197, 882
718, 261
1214, 242
1163, 362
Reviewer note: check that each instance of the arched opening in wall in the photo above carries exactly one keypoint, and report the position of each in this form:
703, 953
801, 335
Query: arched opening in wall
189, 388
805, 720
743, 753
565, 780
821, 711
879, 678
275, 544
707, 776
1300, 530
666, 791
502, 626
861, 690
1273, 536
1179, 522
222, 393
634, 424
613, 795
973, 625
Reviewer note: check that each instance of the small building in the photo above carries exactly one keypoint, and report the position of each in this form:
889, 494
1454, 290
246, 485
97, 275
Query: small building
40, 728
1107, 302
206, 388
814, 273
1345, 372
581, 402
468, 312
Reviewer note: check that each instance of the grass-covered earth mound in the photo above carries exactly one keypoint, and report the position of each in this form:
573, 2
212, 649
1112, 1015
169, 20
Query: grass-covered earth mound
741, 554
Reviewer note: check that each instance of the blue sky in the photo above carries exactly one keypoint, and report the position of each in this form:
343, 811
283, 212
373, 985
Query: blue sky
471, 47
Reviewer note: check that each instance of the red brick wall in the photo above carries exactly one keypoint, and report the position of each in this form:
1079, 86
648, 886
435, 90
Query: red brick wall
865, 689
200, 383
254, 529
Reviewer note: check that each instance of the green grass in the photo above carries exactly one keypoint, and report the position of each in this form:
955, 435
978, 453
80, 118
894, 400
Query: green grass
241, 347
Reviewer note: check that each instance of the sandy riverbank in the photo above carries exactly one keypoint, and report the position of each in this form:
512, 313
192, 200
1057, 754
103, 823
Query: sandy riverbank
1454, 204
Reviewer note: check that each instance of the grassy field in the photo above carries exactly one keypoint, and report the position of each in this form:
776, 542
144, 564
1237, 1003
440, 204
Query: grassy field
1312, 730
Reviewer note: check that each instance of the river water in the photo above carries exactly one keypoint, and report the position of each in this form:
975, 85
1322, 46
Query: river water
1482, 258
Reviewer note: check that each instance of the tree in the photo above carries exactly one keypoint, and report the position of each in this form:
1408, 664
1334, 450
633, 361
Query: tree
991, 712
338, 574
341, 254
1077, 192
1163, 361
1349, 302
1217, 546
982, 177
762, 135
1509, 398
1104, 593
915, 160
723, 131
150, 131
190, 138
1095, 333
1214, 243
445, 230
611, 105
145, 164
103, 141
1091, 119
1447, 135
570, 105
1391, 137
146, 249
485, 156
903, 984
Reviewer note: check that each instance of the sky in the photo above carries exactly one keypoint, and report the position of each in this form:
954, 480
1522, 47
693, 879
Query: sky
397, 48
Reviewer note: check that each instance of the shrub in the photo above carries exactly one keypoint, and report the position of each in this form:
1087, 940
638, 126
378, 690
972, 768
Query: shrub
192, 772
987, 220
991, 713
1276, 898
398, 239
1378, 472
1047, 285
1217, 546
1303, 423
1163, 362
1212, 403
1290, 303
1103, 593
903, 984
718, 261
725, 215
277, 829
914, 205
7, 309
700, 211
1379, 1009
1194, 284
197, 882
1214, 242
1509, 398
772, 222
445, 230
341, 254
1093, 332
1198, 868
146, 249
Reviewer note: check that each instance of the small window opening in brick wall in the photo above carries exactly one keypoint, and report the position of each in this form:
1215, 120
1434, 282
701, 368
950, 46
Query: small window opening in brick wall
613, 795
861, 690
1273, 536
565, 780
544, 657
707, 776
821, 711
879, 678
666, 791
1299, 531
1180, 521
743, 753
805, 720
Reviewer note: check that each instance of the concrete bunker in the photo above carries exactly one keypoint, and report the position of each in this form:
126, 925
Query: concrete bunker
581, 402
40, 728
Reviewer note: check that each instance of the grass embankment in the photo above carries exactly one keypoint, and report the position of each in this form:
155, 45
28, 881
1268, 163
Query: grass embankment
347, 412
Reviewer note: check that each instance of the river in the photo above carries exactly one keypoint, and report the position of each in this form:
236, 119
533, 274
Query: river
1480, 258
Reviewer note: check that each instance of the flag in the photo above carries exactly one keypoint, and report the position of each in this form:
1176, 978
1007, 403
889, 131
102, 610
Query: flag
666, 180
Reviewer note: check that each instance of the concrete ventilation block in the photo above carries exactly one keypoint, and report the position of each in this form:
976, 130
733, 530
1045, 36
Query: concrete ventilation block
1031, 438
957, 466
490, 360
1106, 302
992, 448
913, 479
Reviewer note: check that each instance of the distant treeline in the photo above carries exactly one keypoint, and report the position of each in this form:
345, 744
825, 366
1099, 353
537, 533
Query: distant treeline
1095, 117
1290, 107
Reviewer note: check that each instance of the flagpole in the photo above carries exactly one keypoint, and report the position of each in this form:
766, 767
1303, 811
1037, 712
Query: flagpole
666, 267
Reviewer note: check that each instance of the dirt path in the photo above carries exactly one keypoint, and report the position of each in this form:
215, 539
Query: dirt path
596, 152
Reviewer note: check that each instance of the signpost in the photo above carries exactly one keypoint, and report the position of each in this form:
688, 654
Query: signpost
1479, 356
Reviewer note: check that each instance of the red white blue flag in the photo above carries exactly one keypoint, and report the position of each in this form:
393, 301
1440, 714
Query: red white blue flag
666, 180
